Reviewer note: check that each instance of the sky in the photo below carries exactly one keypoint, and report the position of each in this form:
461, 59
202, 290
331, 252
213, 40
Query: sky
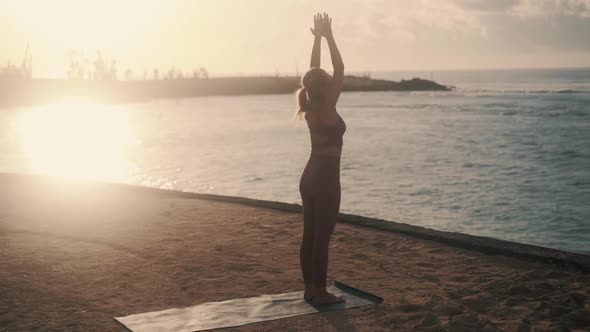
245, 37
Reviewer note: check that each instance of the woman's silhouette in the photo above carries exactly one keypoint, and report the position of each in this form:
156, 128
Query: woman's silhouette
320, 182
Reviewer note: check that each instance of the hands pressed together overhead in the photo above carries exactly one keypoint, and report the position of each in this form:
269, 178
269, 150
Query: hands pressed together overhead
322, 25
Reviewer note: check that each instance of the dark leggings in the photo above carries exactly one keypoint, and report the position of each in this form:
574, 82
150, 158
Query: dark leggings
320, 192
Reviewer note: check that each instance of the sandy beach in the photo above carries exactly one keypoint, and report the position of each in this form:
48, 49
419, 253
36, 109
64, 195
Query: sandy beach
74, 255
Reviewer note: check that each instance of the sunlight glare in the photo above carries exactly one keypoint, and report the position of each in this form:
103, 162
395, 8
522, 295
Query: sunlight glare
78, 140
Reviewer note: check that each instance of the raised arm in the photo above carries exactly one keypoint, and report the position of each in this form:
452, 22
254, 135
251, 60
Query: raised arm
338, 77
316, 51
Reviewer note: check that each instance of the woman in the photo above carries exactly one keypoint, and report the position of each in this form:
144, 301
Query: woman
320, 182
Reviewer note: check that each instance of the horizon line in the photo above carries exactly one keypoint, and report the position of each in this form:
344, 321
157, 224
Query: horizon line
359, 72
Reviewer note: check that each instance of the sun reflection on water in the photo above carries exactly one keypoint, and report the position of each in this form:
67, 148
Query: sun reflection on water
78, 140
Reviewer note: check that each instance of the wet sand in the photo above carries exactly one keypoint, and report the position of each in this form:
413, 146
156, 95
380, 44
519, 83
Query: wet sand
75, 255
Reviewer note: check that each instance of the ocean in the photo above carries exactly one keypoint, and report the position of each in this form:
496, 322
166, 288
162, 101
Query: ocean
505, 155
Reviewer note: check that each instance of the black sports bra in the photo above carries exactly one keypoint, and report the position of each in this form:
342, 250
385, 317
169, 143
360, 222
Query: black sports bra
327, 135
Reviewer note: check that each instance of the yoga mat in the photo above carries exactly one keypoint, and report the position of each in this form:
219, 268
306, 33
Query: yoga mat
242, 311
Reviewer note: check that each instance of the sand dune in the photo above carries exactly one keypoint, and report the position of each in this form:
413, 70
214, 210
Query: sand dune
75, 255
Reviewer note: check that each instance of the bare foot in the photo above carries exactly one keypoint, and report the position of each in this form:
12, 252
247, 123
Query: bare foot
326, 299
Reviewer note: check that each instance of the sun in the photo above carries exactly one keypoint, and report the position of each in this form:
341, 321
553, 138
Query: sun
78, 140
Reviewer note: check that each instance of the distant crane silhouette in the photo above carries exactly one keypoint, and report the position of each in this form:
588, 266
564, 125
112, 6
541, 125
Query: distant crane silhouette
26, 64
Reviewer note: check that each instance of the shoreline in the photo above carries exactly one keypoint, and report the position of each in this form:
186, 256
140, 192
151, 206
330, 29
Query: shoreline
19, 92
76, 254
480, 244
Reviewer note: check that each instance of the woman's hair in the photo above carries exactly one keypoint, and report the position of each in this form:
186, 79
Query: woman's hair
302, 100
313, 85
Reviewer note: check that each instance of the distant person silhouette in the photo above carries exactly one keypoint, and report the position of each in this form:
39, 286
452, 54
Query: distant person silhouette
320, 182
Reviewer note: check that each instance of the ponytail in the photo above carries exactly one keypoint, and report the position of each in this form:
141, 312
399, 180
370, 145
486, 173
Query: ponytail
302, 103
